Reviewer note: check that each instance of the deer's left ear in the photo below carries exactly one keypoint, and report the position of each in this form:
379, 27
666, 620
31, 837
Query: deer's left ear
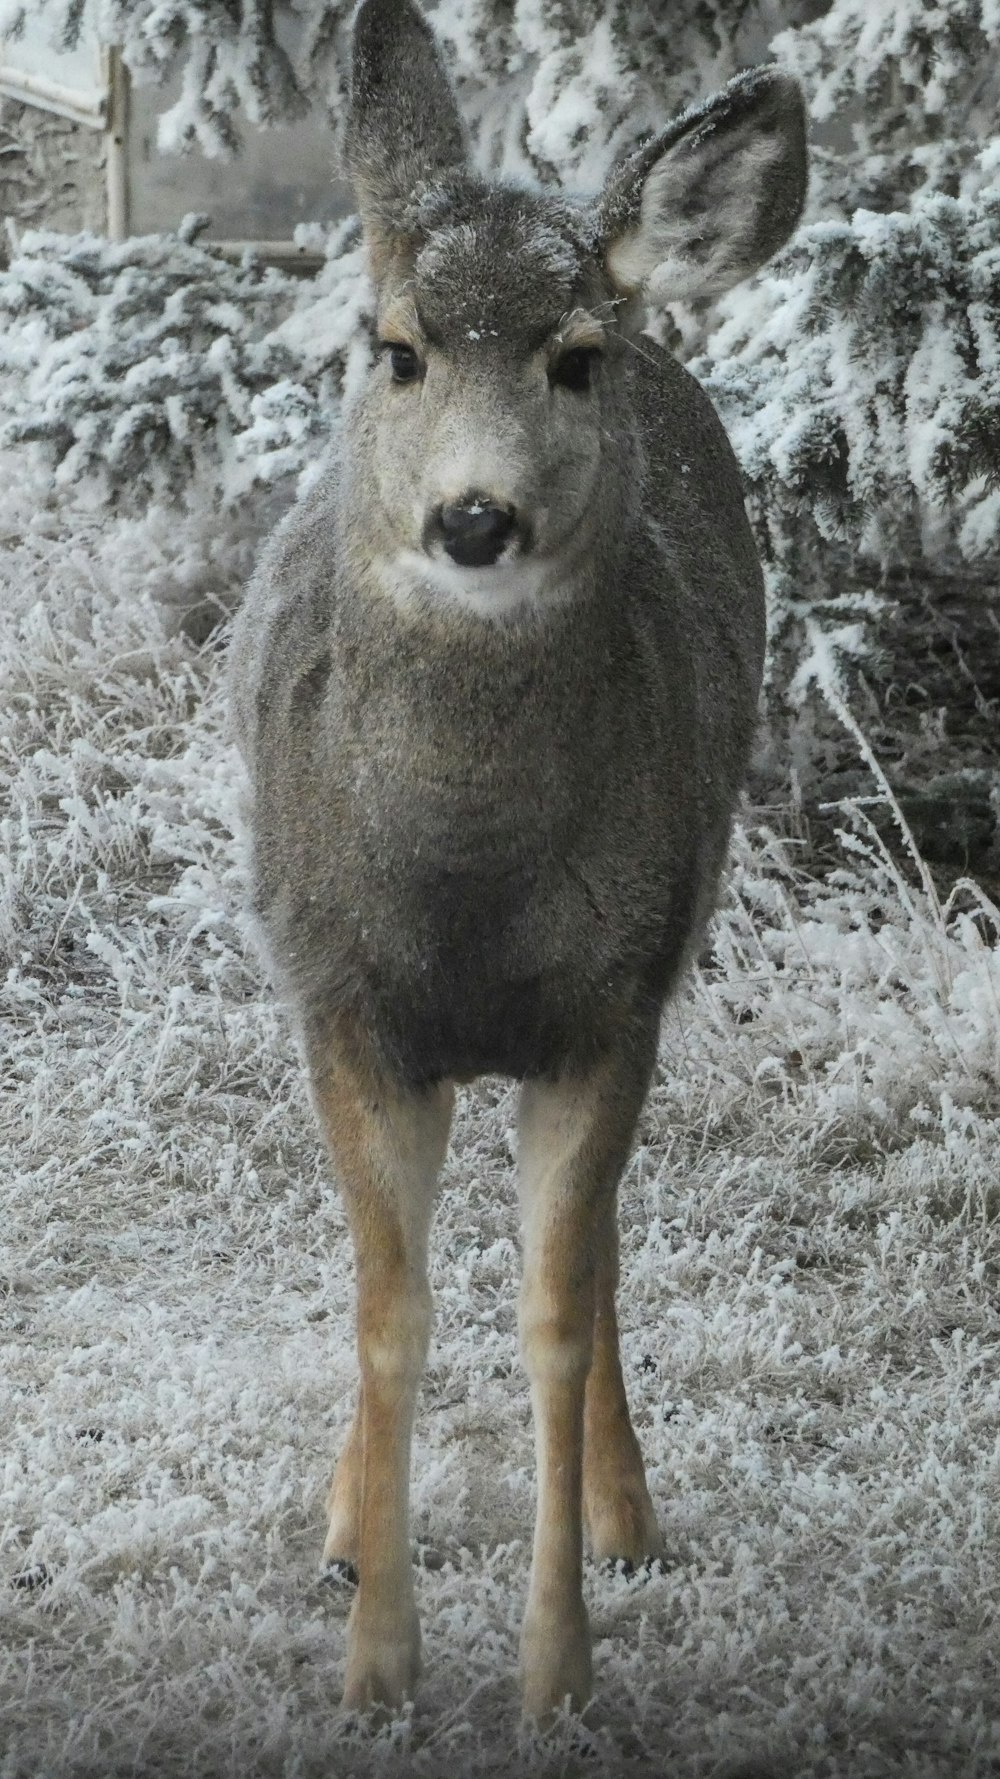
708, 201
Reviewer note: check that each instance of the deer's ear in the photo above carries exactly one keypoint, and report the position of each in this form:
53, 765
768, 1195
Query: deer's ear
403, 126
713, 197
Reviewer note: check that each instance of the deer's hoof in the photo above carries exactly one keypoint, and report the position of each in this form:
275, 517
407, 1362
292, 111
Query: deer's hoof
382, 1669
555, 1669
643, 1570
624, 1530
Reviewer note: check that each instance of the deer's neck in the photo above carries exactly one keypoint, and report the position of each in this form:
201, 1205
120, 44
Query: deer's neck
466, 720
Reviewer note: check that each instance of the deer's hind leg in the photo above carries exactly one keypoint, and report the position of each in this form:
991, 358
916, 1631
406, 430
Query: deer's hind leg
616, 1505
574, 1136
387, 1144
343, 1503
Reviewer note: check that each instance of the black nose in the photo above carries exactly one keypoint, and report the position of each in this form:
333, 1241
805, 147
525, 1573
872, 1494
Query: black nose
475, 532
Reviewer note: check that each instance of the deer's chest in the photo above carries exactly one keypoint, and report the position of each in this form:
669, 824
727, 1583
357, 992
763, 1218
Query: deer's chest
463, 971
464, 934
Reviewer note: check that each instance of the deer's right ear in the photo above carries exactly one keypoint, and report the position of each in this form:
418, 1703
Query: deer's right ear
403, 126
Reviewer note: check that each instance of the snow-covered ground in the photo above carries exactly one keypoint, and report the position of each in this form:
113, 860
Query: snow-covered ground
809, 1300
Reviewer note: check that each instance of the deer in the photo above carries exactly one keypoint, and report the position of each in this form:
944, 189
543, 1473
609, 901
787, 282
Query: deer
495, 682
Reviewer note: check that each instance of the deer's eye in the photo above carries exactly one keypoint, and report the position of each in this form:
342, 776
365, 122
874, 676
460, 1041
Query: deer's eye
575, 369
403, 362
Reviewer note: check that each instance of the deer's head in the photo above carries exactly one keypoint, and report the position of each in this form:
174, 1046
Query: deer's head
494, 444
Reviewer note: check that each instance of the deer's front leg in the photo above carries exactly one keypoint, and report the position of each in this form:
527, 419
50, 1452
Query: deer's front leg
573, 1140
387, 1145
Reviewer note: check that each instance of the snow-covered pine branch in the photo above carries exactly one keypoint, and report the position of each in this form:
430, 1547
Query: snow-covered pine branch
909, 62
229, 56
860, 383
143, 364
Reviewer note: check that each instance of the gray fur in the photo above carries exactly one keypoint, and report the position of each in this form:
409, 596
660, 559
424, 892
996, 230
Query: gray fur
491, 842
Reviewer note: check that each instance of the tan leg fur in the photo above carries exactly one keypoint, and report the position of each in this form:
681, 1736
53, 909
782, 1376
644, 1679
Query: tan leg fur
573, 1140
387, 1146
343, 1504
616, 1505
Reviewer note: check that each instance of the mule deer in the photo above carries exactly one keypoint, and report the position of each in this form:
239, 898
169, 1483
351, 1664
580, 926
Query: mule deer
495, 681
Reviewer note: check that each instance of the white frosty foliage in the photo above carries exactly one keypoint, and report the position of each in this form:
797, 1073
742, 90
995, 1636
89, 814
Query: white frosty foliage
230, 57
154, 364
860, 384
890, 55
810, 1318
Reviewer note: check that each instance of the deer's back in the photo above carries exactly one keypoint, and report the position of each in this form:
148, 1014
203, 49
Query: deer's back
488, 841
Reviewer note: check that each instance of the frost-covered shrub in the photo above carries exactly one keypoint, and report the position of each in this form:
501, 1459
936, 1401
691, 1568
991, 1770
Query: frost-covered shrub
147, 364
860, 382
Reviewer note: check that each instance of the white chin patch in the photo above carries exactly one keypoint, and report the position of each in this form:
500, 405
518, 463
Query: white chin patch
506, 589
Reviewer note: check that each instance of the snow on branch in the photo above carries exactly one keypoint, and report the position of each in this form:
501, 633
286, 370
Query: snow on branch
228, 54
860, 383
908, 57
143, 364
